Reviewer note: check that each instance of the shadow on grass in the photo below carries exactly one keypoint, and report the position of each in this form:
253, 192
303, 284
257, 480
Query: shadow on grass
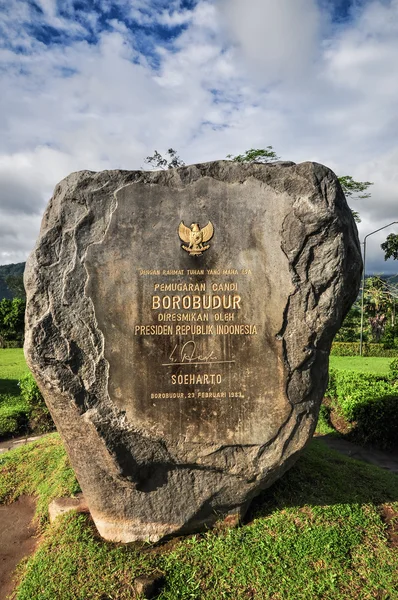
324, 477
9, 387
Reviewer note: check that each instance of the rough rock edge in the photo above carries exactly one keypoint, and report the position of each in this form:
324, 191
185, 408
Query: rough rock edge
55, 361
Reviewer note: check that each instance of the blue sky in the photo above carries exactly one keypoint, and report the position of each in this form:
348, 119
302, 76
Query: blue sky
100, 84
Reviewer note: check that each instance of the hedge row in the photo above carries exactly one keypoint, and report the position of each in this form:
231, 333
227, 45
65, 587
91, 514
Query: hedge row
352, 349
11, 344
369, 402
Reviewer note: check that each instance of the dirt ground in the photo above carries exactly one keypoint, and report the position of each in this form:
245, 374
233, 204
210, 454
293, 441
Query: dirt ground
17, 539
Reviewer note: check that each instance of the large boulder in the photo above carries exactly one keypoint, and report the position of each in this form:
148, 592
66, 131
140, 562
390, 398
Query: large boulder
179, 325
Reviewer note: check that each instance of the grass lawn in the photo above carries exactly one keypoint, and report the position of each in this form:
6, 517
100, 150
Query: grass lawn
12, 367
319, 532
365, 364
327, 530
13, 409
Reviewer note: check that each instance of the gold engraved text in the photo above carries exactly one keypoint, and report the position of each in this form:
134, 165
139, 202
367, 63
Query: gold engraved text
180, 287
194, 302
196, 379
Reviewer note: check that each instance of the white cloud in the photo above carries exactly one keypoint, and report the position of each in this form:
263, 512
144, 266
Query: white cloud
239, 75
278, 40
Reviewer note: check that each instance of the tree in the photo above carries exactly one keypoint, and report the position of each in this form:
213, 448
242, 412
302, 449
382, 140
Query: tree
259, 155
390, 288
12, 313
16, 286
376, 299
350, 328
380, 299
158, 161
354, 189
377, 324
390, 247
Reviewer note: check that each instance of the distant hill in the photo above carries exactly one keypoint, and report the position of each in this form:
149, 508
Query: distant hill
5, 271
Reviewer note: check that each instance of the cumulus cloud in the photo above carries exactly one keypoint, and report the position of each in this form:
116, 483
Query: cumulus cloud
278, 40
214, 78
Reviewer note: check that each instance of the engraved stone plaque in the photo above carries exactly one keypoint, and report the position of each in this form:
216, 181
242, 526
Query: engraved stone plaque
179, 325
201, 331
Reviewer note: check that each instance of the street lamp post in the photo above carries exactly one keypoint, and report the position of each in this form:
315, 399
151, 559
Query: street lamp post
363, 278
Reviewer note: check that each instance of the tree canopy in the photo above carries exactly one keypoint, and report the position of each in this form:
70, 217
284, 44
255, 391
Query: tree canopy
356, 190
390, 247
12, 314
16, 286
260, 155
170, 161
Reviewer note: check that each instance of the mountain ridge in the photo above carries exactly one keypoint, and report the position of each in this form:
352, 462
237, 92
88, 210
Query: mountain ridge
6, 271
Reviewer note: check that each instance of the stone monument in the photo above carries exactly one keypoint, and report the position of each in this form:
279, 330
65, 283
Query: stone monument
179, 325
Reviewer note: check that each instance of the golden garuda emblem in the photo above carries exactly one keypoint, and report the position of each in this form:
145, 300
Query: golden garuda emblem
195, 237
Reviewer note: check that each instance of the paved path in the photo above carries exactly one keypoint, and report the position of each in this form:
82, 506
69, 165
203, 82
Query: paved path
375, 457
16, 442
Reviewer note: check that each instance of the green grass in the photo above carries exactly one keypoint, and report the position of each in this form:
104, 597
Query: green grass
360, 363
317, 533
13, 409
12, 367
323, 426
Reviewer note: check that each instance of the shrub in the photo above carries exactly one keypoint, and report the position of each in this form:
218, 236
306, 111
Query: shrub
354, 389
13, 416
352, 349
344, 349
369, 402
10, 344
379, 350
324, 426
388, 337
331, 389
377, 421
30, 390
39, 416
394, 369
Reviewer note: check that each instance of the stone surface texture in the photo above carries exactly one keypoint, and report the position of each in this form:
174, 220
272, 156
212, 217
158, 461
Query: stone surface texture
61, 506
148, 469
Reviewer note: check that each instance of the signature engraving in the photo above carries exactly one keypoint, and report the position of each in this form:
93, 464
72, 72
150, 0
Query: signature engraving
188, 353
